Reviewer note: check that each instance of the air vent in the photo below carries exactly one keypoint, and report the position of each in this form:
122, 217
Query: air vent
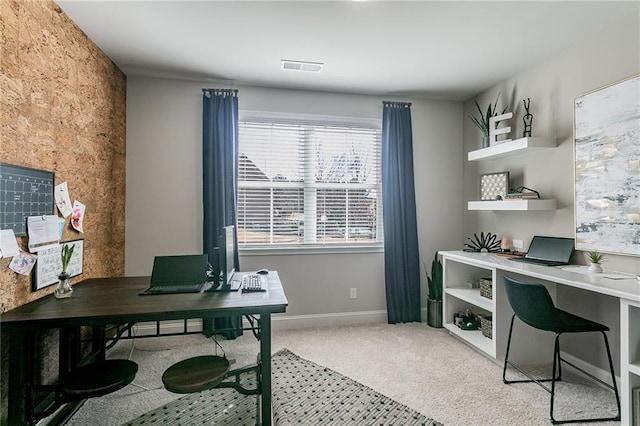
301, 66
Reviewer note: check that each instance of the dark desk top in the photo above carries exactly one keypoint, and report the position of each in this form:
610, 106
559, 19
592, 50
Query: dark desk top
101, 301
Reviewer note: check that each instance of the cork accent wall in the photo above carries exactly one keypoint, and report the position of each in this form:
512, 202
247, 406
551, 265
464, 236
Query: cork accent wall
62, 109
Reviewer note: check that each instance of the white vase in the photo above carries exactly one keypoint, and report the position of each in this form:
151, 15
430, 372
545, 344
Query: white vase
595, 268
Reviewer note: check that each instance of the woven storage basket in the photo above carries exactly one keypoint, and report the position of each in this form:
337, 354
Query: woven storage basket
485, 287
485, 326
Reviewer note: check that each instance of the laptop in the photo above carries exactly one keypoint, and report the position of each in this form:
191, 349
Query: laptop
549, 251
178, 274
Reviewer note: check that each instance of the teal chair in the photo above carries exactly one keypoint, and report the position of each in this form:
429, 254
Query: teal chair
532, 304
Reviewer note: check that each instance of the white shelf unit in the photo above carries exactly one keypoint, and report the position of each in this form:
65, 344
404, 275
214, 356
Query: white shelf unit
629, 358
458, 279
513, 205
514, 147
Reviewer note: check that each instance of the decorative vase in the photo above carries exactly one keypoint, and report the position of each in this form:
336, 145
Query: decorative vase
595, 267
434, 313
63, 289
485, 142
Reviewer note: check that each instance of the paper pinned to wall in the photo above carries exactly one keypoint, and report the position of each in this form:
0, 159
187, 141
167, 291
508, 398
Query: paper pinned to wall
42, 231
22, 263
8, 243
63, 201
77, 216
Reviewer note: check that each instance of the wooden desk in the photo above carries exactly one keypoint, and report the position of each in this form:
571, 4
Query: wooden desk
461, 268
106, 301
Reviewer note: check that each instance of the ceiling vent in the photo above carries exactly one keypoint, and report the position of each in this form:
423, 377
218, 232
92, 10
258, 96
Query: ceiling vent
301, 66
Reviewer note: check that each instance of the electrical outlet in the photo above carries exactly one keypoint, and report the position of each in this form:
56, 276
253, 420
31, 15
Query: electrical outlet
353, 293
518, 244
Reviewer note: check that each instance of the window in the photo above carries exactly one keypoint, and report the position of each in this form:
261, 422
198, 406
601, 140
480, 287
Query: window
306, 181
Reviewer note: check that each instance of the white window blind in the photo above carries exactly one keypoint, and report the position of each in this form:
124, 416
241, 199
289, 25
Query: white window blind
308, 182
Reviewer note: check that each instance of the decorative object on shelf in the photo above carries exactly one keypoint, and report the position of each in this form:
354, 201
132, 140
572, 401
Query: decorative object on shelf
64, 289
483, 121
505, 244
606, 176
527, 118
434, 298
595, 257
494, 186
485, 325
494, 131
466, 320
486, 286
522, 192
487, 243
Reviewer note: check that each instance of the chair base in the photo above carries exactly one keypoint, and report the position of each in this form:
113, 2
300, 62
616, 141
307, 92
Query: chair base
557, 361
195, 374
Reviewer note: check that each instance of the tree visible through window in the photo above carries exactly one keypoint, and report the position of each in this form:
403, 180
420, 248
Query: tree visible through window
308, 182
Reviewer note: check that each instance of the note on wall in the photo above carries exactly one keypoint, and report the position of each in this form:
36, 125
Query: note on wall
49, 264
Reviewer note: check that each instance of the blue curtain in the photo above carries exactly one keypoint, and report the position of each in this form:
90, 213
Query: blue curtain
402, 265
219, 183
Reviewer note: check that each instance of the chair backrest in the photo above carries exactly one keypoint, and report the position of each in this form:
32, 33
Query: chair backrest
532, 303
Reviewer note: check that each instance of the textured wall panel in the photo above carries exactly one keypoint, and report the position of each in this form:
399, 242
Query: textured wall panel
62, 106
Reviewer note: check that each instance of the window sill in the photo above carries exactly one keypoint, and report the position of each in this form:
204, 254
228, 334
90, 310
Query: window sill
300, 250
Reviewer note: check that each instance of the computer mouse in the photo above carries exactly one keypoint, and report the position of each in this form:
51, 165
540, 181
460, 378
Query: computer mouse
262, 272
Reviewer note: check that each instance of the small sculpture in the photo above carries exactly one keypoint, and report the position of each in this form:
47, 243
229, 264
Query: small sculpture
528, 119
487, 242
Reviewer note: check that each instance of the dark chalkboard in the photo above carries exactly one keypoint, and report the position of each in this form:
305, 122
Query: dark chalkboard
24, 192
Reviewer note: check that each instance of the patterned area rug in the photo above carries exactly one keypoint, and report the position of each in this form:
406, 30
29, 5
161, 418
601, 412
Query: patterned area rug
304, 393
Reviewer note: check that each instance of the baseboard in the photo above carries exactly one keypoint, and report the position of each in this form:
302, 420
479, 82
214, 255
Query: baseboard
598, 372
291, 322
278, 322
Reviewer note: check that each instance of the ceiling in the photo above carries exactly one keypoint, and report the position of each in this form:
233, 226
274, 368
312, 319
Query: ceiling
440, 50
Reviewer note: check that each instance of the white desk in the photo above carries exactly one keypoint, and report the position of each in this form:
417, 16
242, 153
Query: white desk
463, 268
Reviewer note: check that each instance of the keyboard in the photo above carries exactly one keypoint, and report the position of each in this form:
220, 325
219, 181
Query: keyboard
253, 283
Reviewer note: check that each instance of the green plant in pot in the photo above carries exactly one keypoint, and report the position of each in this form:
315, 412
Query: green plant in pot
482, 121
595, 258
64, 289
434, 297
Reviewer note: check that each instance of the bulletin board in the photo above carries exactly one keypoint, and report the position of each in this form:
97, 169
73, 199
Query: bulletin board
24, 192
49, 264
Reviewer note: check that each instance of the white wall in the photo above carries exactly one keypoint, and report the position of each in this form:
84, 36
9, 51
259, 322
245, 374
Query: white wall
607, 57
164, 206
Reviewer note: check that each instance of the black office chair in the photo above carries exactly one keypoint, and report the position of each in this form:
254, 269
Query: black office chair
532, 303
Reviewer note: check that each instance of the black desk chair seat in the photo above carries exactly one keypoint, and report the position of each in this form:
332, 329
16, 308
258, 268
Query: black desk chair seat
97, 379
533, 305
195, 374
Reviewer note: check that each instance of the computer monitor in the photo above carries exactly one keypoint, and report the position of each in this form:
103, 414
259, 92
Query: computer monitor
228, 254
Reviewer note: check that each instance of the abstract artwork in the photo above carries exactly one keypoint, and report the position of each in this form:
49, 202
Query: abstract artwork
607, 168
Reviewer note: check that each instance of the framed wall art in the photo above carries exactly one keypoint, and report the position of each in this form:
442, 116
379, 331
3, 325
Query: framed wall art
494, 186
607, 168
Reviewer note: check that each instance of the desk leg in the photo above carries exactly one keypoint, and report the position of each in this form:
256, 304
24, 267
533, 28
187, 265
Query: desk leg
19, 400
265, 367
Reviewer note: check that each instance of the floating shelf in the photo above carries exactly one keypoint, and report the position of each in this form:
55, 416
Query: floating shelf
517, 205
514, 147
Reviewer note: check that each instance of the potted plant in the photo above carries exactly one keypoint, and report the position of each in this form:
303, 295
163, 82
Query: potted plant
483, 120
595, 258
64, 288
434, 297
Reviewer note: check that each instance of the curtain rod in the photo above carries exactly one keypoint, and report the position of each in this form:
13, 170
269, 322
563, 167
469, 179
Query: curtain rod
233, 92
395, 104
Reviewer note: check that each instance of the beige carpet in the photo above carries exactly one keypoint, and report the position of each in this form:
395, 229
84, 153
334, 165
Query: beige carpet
418, 366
